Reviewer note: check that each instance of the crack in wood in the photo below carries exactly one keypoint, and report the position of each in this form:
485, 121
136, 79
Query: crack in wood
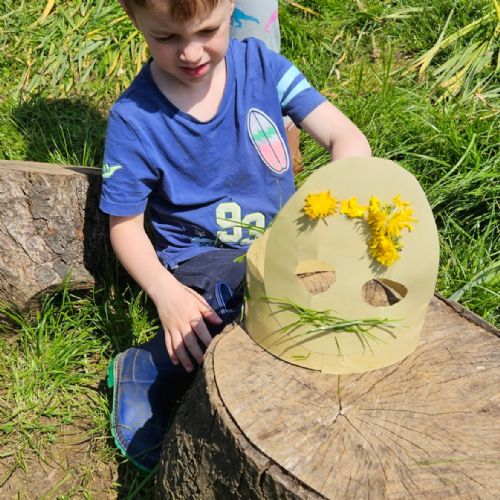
372, 422
404, 471
439, 390
356, 465
412, 361
469, 315
427, 414
480, 484
331, 439
261, 477
314, 390
348, 484
370, 445
433, 437
386, 376
339, 394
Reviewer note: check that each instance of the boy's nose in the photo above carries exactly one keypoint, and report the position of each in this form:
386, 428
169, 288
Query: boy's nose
191, 53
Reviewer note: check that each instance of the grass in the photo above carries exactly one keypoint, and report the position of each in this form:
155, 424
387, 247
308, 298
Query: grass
63, 63
54, 375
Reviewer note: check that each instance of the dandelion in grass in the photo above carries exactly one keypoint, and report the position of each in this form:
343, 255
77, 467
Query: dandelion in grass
320, 205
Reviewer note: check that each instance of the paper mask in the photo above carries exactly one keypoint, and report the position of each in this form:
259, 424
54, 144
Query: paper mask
337, 246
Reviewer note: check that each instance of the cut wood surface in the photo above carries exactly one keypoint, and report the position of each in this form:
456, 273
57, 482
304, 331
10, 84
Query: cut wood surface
50, 225
253, 426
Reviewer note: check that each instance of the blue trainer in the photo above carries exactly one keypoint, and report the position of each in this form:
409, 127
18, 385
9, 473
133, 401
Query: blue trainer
147, 386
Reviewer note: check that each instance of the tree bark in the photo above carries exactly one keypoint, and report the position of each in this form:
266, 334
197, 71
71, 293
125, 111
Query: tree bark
253, 426
50, 225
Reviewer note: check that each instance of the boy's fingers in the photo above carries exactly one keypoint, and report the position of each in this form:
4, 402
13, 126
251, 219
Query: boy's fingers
212, 316
191, 342
180, 351
201, 330
170, 349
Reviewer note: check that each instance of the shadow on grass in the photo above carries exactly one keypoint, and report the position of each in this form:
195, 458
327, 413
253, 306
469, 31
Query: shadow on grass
66, 131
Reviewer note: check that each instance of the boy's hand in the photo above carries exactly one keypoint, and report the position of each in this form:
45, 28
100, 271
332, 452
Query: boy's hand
183, 316
183, 313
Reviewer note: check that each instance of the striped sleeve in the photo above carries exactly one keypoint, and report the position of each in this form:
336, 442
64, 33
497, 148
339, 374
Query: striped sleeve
297, 96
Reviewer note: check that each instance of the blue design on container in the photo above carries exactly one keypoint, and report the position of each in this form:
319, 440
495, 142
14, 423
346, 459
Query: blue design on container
239, 16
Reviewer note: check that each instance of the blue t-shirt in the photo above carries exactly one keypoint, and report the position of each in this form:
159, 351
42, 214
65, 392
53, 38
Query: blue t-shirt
206, 183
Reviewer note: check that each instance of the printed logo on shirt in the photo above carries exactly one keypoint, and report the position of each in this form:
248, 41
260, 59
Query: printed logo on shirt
267, 140
234, 226
199, 236
108, 170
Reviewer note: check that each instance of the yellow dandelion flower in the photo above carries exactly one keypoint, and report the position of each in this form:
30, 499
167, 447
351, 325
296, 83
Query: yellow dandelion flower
351, 208
320, 205
377, 215
386, 222
375, 203
399, 202
384, 250
399, 221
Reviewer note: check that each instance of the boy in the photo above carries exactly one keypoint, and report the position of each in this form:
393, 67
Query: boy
199, 137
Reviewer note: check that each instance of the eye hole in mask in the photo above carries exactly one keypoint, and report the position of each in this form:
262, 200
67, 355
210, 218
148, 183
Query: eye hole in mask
315, 276
382, 292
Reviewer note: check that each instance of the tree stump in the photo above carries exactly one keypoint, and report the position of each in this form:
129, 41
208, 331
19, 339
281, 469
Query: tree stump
50, 225
253, 426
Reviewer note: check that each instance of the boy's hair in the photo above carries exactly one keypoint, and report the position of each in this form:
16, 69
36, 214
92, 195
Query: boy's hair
180, 10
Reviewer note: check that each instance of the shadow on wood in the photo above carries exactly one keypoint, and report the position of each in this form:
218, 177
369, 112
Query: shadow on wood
253, 426
50, 226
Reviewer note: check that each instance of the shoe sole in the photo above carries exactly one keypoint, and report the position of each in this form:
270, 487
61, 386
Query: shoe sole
111, 381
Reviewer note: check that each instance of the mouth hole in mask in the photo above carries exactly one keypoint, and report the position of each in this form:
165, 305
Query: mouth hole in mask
315, 276
383, 292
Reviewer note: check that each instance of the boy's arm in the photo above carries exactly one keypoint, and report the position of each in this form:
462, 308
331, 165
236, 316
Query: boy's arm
328, 126
182, 311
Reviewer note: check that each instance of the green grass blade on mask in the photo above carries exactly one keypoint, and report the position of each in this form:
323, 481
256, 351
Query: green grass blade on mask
324, 321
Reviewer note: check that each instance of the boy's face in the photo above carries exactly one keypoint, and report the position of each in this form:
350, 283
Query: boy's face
188, 51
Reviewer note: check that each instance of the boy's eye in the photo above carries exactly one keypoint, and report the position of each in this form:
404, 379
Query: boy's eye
209, 31
168, 38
